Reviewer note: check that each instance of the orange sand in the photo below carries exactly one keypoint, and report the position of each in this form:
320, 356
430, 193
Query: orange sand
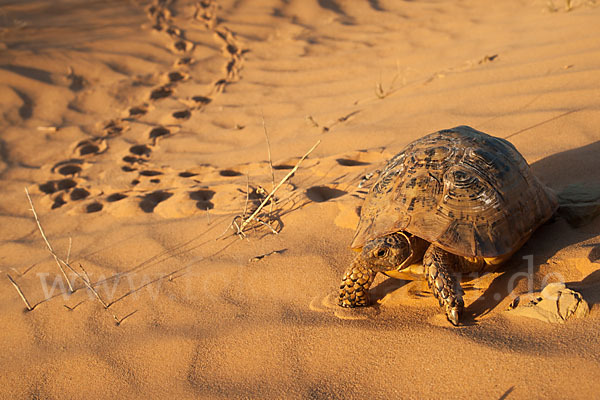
137, 131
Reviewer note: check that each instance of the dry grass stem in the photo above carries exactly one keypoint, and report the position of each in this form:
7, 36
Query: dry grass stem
270, 160
88, 283
270, 195
312, 121
247, 195
380, 92
20, 292
120, 321
85, 279
69, 250
39, 224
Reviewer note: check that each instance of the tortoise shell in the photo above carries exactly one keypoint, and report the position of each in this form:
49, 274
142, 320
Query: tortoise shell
469, 193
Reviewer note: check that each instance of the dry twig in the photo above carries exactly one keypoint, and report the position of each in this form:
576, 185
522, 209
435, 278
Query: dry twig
20, 292
39, 224
69, 251
88, 283
240, 228
270, 161
86, 280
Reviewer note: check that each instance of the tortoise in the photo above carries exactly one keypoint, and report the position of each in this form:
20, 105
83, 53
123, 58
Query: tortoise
460, 200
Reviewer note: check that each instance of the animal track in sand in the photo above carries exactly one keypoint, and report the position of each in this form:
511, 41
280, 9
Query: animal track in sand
151, 200
68, 167
53, 186
138, 111
79, 194
184, 61
283, 167
115, 197
113, 128
140, 150
177, 76
203, 197
158, 131
91, 147
201, 100
229, 173
61, 189
184, 114
161, 93
93, 207
150, 173
58, 202
132, 160
320, 194
64, 188
183, 46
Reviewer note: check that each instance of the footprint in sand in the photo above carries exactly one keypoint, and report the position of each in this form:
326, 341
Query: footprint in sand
68, 167
68, 185
177, 76
138, 155
158, 132
161, 92
320, 194
91, 147
93, 207
203, 198
151, 200
138, 111
182, 115
114, 128
183, 46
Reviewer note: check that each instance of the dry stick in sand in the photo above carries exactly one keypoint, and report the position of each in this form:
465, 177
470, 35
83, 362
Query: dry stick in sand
37, 220
20, 292
266, 200
88, 283
85, 280
270, 160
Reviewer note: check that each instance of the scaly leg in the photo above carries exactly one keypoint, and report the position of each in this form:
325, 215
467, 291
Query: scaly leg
355, 284
439, 265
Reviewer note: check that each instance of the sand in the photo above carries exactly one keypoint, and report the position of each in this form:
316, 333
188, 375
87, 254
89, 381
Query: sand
139, 130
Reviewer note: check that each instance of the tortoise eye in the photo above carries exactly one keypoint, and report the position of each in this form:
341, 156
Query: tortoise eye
381, 253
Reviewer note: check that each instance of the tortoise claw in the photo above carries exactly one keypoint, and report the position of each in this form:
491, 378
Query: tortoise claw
454, 315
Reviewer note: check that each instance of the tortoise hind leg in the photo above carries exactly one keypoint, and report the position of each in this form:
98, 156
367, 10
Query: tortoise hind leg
439, 265
355, 284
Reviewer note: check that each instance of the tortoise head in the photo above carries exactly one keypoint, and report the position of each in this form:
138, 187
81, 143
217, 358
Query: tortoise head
388, 252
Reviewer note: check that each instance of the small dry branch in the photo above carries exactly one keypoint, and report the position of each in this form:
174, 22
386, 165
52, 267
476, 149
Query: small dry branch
245, 222
85, 279
270, 159
39, 224
20, 292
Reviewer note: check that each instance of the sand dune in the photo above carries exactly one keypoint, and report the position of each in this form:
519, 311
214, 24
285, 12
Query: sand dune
140, 129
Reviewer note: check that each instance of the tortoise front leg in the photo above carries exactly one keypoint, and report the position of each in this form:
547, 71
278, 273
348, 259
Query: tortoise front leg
439, 265
355, 284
